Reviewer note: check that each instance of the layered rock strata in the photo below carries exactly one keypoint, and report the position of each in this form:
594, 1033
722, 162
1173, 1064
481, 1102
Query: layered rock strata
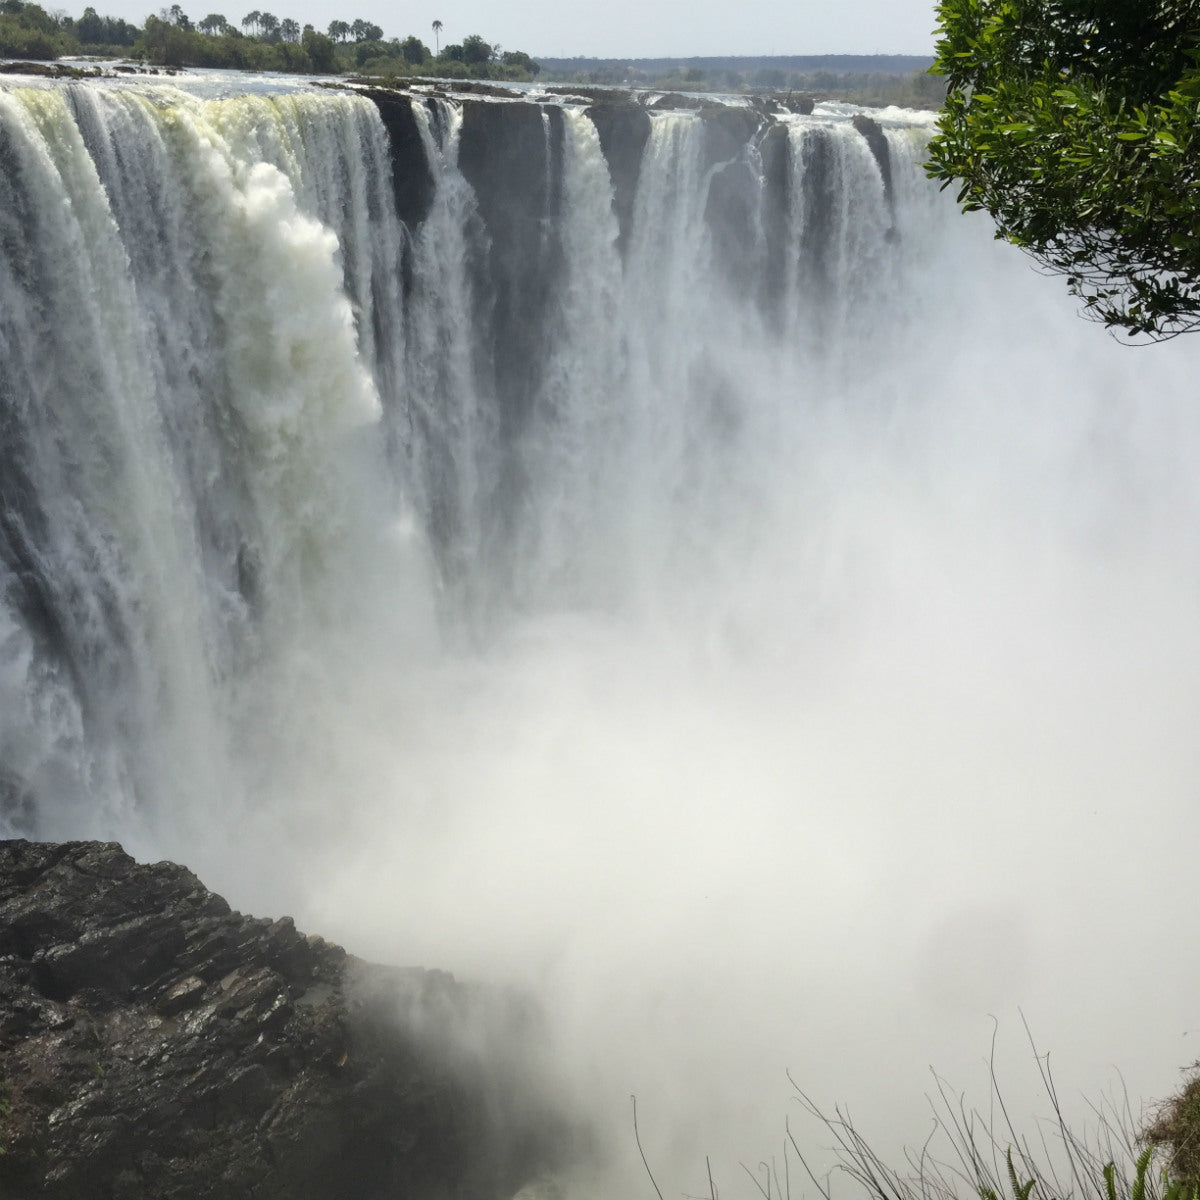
153, 1042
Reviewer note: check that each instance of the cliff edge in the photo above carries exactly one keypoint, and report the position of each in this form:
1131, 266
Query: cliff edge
153, 1042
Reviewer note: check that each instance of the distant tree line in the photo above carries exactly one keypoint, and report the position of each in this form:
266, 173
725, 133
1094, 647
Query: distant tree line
261, 41
472, 58
854, 64
29, 31
866, 79
264, 42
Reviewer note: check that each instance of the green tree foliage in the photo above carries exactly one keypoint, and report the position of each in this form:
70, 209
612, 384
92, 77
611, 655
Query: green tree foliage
269, 43
366, 52
1074, 123
94, 31
475, 49
319, 48
277, 48
29, 31
518, 58
414, 50
364, 31
164, 43
32, 15
90, 27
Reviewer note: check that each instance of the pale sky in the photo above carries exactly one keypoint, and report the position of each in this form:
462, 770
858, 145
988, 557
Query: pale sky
619, 28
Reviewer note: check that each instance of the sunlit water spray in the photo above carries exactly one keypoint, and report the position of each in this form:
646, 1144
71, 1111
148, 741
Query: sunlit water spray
798, 684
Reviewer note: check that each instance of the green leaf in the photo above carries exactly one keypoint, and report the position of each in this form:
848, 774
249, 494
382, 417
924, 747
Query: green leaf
1110, 1181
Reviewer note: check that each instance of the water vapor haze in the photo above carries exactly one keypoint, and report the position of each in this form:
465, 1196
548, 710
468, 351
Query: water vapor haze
912, 745
831, 689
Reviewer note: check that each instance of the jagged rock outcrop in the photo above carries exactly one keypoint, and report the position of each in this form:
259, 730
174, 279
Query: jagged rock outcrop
874, 136
624, 128
776, 155
154, 1043
412, 178
511, 155
51, 70
727, 131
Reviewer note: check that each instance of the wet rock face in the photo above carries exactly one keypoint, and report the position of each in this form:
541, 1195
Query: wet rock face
623, 128
874, 136
777, 201
511, 155
726, 132
412, 178
155, 1043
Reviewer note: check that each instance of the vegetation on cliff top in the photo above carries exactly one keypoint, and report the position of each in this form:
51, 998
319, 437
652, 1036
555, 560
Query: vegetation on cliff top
1176, 1128
264, 42
982, 1155
28, 31
1074, 124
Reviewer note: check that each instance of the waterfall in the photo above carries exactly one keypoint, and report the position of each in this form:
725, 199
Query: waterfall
448, 426
245, 400
671, 559
183, 375
566, 451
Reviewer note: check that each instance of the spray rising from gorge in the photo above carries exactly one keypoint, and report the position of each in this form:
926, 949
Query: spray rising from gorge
668, 561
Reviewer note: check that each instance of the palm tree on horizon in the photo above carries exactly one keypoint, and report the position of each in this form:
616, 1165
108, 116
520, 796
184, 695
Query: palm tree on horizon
437, 33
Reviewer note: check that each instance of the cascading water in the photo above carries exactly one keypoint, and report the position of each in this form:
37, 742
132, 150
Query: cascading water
181, 374
641, 556
446, 423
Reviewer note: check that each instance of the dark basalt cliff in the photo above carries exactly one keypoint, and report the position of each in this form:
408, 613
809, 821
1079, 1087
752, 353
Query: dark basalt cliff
154, 1043
877, 140
511, 153
623, 127
412, 179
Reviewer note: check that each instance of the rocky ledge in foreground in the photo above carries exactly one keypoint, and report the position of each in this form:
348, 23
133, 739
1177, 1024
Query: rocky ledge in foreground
153, 1043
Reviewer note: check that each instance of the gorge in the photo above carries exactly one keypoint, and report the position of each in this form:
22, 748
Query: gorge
664, 558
